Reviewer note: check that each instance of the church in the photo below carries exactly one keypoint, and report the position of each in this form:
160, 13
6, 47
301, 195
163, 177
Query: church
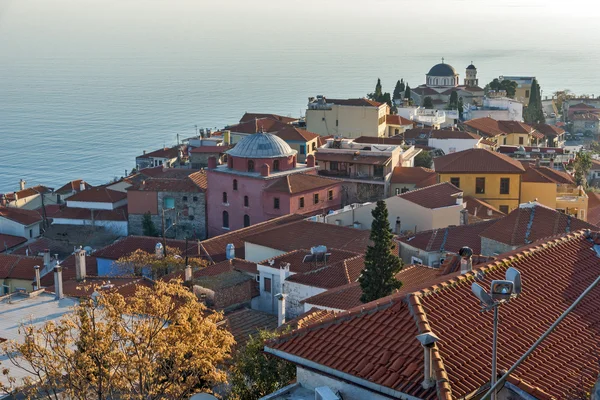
442, 79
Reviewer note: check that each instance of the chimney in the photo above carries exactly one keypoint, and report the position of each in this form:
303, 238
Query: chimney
22, 184
16, 196
280, 308
188, 273
144, 152
552, 163
537, 162
212, 162
38, 284
466, 263
459, 199
265, 170
58, 282
2, 200
310, 161
46, 258
428, 340
230, 251
398, 225
80, 270
82, 184
284, 273
464, 217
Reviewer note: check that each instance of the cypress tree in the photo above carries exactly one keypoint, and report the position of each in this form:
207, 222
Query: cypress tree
378, 92
381, 265
534, 114
428, 102
407, 93
460, 108
398, 90
453, 103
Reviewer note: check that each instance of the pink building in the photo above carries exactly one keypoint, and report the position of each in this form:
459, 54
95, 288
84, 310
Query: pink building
262, 180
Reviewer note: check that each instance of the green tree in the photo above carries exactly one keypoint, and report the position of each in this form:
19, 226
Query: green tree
398, 90
407, 93
534, 114
256, 374
148, 227
581, 167
423, 159
460, 108
507, 85
378, 279
453, 103
386, 98
377, 94
428, 102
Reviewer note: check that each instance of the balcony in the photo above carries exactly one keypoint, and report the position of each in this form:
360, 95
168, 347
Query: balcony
343, 174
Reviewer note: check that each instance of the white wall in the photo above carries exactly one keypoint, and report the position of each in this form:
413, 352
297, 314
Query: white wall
453, 145
312, 380
308, 307
257, 253
93, 205
116, 227
297, 292
10, 227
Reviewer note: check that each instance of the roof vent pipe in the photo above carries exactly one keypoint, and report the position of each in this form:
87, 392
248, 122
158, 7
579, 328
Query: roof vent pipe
466, 263
58, 282
428, 340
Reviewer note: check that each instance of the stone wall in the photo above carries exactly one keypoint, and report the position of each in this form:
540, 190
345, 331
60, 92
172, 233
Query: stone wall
491, 247
362, 192
226, 297
191, 221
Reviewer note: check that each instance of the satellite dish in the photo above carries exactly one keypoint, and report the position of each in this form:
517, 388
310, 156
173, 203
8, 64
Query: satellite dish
482, 295
203, 396
515, 276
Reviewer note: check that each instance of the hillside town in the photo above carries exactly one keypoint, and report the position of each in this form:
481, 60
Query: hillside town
440, 242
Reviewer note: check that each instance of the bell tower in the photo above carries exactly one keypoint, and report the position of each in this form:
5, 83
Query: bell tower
471, 76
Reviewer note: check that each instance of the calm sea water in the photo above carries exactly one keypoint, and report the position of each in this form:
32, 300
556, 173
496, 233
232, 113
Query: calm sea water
86, 85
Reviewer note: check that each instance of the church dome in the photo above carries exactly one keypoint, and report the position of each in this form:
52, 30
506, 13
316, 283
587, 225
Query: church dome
471, 67
442, 70
261, 145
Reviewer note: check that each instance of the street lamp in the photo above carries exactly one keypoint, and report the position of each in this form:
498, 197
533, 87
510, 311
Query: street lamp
501, 291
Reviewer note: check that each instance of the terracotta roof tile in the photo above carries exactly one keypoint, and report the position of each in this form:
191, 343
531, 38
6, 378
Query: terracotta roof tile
309, 317
28, 192
593, 216
306, 234
38, 246
18, 267
165, 152
246, 322
22, 216
297, 264
252, 116
477, 161
491, 127
435, 196
332, 274
399, 120
298, 183
68, 270
419, 176
219, 268
585, 117
127, 245
73, 186
7, 242
214, 248
258, 125
98, 195
532, 222
482, 210
291, 133
124, 285
394, 140
546, 175
195, 182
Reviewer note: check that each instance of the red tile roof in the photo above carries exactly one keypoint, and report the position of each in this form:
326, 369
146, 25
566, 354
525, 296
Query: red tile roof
357, 342
306, 234
394, 140
252, 116
297, 264
299, 183
214, 248
28, 192
259, 125
73, 186
350, 158
424, 90
491, 127
219, 268
419, 176
38, 246
291, 133
593, 216
193, 183
127, 245
546, 175
482, 210
18, 267
477, 161
449, 239
440, 195
118, 214
309, 317
398, 120
332, 274
549, 130
165, 152
98, 195
22, 216
7, 242
68, 270
247, 322
532, 222
585, 117
124, 285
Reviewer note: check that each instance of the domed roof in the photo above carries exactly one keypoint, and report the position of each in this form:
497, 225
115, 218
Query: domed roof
261, 145
471, 66
442, 70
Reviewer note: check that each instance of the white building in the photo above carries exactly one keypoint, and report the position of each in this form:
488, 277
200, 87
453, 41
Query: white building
20, 222
496, 106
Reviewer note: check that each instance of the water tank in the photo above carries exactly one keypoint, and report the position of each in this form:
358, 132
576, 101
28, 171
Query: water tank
318, 249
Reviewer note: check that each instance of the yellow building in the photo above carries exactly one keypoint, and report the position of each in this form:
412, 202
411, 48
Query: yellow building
349, 118
554, 189
483, 174
523, 90
511, 133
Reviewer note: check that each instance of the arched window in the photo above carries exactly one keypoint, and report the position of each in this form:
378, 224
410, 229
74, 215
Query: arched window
246, 202
225, 219
224, 197
235, 184
246, 220
276, 165
250, 165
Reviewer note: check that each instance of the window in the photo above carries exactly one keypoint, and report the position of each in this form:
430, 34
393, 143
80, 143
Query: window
503, 209
316, 198
333, 165
396, 131
479, 185
337, 123
246, 220
276, 203
504, 141
246, 202
184, 198
405, 189
301, 202
168, 202
250, 166
397, 190
504, 185
195, 198
378, 170
521, 140
314, 146
302, 149
455, 182
31, 233
276, 165
527, 93
225, 197
235, 184
330, 195
268, 285
225, 219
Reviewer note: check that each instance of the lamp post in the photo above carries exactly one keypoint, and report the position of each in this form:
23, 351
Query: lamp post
501, 291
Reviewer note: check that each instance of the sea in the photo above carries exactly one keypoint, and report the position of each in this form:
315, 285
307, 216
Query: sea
87, 85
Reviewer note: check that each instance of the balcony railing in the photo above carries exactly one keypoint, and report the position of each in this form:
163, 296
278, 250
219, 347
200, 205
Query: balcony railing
345, 174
